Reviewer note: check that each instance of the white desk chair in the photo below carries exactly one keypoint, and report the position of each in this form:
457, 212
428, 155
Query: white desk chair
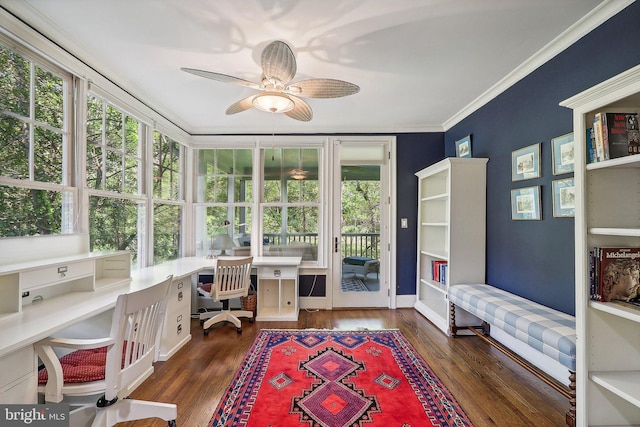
129, 352
231, 279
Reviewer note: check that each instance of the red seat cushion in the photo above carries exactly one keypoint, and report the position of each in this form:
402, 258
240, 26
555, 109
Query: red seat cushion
80, 366
206, 287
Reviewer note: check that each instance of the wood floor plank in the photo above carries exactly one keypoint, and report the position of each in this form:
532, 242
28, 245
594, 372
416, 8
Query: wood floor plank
492, 389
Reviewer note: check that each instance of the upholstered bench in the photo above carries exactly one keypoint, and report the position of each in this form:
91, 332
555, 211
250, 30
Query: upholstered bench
360, 265
547, 331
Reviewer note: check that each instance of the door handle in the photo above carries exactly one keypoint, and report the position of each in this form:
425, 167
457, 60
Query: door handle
335, 246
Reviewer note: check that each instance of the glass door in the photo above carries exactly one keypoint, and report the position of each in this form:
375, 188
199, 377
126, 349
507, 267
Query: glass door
360, 232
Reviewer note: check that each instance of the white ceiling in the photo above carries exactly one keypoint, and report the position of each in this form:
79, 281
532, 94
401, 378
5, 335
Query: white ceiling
421, 64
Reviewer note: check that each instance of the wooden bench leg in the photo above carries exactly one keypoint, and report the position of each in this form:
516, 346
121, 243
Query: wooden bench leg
571, 415
453, 328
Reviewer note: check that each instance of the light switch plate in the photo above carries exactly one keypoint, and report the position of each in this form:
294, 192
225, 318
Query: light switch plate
404, 223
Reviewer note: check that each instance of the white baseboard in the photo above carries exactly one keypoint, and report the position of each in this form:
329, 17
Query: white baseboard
313, 303
405, 301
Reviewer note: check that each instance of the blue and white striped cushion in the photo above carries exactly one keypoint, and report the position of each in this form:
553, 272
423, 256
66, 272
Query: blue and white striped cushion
547, 330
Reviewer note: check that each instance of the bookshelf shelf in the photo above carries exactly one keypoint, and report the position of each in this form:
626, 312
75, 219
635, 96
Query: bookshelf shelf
452, 216
627, 312
440, 287
621, 162
626, 232
624, 384
606, 215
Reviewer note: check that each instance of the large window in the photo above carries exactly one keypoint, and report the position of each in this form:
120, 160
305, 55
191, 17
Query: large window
114, 178
36, 196
113, 148
291, 205
223, 199
168, 201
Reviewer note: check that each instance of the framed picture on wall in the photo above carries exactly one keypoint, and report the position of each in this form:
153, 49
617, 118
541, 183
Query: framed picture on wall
564, 198
463, 147
562, 153
525, 163
525, 203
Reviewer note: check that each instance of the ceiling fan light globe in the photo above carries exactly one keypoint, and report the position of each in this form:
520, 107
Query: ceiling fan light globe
273, 102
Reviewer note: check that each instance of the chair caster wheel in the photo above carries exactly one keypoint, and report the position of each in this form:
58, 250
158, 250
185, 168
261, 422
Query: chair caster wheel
201, 322
251, 320
172, 423
206, 332
239, 330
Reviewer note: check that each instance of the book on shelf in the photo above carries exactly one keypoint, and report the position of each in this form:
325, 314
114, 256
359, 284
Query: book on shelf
616, 135
439, 271
591, 146
615, 274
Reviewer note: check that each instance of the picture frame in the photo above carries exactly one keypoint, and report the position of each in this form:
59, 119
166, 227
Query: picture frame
525, 163
564, 198
525, 203
463, 147
563, 154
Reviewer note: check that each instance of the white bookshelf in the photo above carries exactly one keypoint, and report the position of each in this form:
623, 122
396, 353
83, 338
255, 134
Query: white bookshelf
607, 214
451, 228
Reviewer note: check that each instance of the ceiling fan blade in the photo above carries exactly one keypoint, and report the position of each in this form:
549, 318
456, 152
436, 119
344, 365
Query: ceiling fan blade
278, 62
240, 106
322, 88
222, 78
301, 111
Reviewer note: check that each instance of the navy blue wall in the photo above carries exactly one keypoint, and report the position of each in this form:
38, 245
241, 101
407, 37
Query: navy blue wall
414, 152
535, 259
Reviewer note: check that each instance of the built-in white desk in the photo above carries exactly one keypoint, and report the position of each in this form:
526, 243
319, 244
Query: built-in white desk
92, 291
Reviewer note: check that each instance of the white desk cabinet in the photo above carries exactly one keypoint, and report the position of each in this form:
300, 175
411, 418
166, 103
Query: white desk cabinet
277, 288
18, 378
35, 291
176, 330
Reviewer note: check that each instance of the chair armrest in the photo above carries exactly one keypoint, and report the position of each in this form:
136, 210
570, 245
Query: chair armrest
44, 349
372, 265
76, 343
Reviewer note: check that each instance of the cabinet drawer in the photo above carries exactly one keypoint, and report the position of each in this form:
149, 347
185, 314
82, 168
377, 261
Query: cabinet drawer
278, 272
16, 365
179, 294
176, 327
25, 391
57, 273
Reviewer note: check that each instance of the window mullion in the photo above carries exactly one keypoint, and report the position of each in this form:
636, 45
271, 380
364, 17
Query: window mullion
32, 116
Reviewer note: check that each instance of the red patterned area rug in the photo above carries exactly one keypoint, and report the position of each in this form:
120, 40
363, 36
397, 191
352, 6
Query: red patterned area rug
322, 378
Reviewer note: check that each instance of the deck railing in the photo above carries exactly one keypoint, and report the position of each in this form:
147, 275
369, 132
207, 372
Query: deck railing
353, 244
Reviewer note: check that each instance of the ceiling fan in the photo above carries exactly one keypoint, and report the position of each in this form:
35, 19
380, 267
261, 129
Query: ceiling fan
278, 93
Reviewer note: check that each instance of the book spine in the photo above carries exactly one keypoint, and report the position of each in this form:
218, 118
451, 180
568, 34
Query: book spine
605, 135
616, 134
591, 146
597, 133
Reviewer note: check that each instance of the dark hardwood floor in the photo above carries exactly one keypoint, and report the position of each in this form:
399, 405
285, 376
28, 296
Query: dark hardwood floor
492, 389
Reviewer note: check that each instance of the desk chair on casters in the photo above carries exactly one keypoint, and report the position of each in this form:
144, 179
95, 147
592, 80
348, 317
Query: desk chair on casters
231, 279
114, 363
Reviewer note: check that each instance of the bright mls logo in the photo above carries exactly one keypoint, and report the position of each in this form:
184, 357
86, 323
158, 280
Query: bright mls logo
53, 415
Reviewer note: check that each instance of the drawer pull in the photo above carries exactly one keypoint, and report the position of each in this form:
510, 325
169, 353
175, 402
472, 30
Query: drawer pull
180, 285
179, 318
180, 296
277, 273
179, 329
